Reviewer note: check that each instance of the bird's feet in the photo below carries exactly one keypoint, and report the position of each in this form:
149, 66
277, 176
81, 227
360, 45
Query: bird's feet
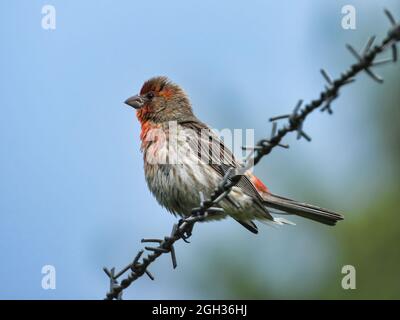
188, 232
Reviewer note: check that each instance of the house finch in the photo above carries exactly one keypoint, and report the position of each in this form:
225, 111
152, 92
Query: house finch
183, 157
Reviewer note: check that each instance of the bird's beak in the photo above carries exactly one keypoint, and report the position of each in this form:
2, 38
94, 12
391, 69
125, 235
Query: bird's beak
135, 102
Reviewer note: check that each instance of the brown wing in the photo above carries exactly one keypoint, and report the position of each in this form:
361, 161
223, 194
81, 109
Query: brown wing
210, 148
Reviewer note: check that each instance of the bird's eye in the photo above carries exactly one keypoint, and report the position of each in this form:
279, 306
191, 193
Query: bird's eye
150, 95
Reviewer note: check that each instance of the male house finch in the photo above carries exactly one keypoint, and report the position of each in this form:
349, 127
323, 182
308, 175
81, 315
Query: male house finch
183, 156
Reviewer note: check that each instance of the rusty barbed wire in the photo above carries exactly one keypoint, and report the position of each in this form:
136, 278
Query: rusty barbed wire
295, 120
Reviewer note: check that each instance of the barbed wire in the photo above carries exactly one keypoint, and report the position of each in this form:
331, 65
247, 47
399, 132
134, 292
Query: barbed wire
207, 207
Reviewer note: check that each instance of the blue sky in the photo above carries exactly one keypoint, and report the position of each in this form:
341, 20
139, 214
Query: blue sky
72, 191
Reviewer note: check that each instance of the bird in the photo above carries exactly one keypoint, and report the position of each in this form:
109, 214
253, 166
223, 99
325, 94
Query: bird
185, 159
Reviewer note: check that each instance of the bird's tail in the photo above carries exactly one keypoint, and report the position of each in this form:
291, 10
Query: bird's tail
304, 210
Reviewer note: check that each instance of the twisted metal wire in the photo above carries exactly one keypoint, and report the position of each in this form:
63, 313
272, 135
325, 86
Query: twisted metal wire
183, 229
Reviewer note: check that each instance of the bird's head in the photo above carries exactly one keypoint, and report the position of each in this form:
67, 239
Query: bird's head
159, 101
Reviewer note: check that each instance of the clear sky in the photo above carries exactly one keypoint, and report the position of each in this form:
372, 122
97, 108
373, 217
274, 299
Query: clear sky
72, 190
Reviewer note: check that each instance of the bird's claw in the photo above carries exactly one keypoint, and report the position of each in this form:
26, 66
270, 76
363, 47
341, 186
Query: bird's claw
187, 234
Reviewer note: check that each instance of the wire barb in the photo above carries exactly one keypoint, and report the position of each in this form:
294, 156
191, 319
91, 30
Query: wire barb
360, 58
113, 282
393, 33
368, 45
